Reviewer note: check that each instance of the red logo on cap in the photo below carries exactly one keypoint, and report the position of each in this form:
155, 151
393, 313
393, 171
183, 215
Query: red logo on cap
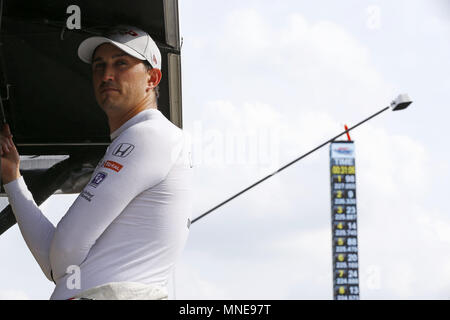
154, 60
125, 31
132, 33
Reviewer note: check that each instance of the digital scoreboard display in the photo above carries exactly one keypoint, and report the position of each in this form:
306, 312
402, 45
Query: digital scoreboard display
343, 217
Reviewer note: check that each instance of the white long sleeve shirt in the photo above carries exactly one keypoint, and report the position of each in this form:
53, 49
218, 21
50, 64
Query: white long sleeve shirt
131, 221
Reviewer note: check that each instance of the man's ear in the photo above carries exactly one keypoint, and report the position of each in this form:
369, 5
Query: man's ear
154, 78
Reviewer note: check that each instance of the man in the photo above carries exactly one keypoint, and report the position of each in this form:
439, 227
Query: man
125, 231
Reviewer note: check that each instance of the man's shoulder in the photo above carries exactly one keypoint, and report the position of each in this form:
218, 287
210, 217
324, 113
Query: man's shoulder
145, 139
151, 131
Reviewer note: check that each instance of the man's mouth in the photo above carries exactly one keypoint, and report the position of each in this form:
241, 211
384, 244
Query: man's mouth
109, 89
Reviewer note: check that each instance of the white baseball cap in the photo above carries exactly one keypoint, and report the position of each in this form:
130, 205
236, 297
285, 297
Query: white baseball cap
134, 41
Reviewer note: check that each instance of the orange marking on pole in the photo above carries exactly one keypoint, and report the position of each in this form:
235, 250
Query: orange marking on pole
348, 136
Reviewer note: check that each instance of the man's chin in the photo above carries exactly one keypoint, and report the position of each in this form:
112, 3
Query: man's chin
107, 106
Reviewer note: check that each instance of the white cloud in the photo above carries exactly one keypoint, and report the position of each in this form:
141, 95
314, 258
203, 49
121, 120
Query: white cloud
13, 295
314, 64
248, 32
197, 287
392, 165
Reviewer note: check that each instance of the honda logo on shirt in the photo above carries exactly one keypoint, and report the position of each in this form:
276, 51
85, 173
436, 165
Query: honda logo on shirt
123, 150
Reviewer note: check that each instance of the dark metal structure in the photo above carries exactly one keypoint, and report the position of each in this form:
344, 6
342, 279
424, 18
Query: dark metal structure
46, 90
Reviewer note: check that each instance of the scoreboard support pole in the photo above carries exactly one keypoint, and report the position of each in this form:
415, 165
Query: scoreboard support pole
344, 221
289, 164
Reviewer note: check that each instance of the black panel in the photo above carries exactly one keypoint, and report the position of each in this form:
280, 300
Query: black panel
51, 101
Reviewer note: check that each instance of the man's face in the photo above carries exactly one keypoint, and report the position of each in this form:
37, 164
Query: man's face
120, 80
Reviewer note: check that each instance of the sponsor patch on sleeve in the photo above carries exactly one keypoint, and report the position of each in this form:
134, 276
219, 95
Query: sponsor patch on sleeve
99, 177
113, 165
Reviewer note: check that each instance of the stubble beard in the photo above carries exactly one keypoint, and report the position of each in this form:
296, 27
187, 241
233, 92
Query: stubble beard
109, 105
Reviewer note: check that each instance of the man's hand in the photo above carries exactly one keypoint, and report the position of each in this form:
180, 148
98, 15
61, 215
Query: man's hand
10, 157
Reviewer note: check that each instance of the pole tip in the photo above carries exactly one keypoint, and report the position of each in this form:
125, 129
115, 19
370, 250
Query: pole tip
401, 102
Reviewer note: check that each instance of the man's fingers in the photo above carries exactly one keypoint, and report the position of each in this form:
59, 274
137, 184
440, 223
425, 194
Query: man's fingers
7, 144
6, 131
6, 128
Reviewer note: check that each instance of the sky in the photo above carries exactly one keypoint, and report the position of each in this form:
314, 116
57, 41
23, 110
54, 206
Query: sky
265, 82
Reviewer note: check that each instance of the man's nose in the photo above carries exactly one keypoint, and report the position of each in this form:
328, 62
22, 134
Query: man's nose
108, 73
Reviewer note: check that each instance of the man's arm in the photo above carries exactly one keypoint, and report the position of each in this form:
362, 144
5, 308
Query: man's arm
36, 230
115, 182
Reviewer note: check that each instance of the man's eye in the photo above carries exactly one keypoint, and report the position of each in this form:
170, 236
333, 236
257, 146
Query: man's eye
121, 62
98, 66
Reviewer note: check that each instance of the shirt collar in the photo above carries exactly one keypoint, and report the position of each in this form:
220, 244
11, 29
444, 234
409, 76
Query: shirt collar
141, 116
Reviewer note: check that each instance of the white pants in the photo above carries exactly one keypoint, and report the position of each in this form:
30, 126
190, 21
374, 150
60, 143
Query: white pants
124, 291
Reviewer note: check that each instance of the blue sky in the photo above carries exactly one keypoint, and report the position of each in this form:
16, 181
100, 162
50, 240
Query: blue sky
264, 82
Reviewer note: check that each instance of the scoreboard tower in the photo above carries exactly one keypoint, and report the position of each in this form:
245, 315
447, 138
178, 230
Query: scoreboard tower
344, 224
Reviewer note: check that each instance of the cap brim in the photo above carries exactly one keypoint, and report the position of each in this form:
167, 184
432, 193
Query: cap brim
88, 46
